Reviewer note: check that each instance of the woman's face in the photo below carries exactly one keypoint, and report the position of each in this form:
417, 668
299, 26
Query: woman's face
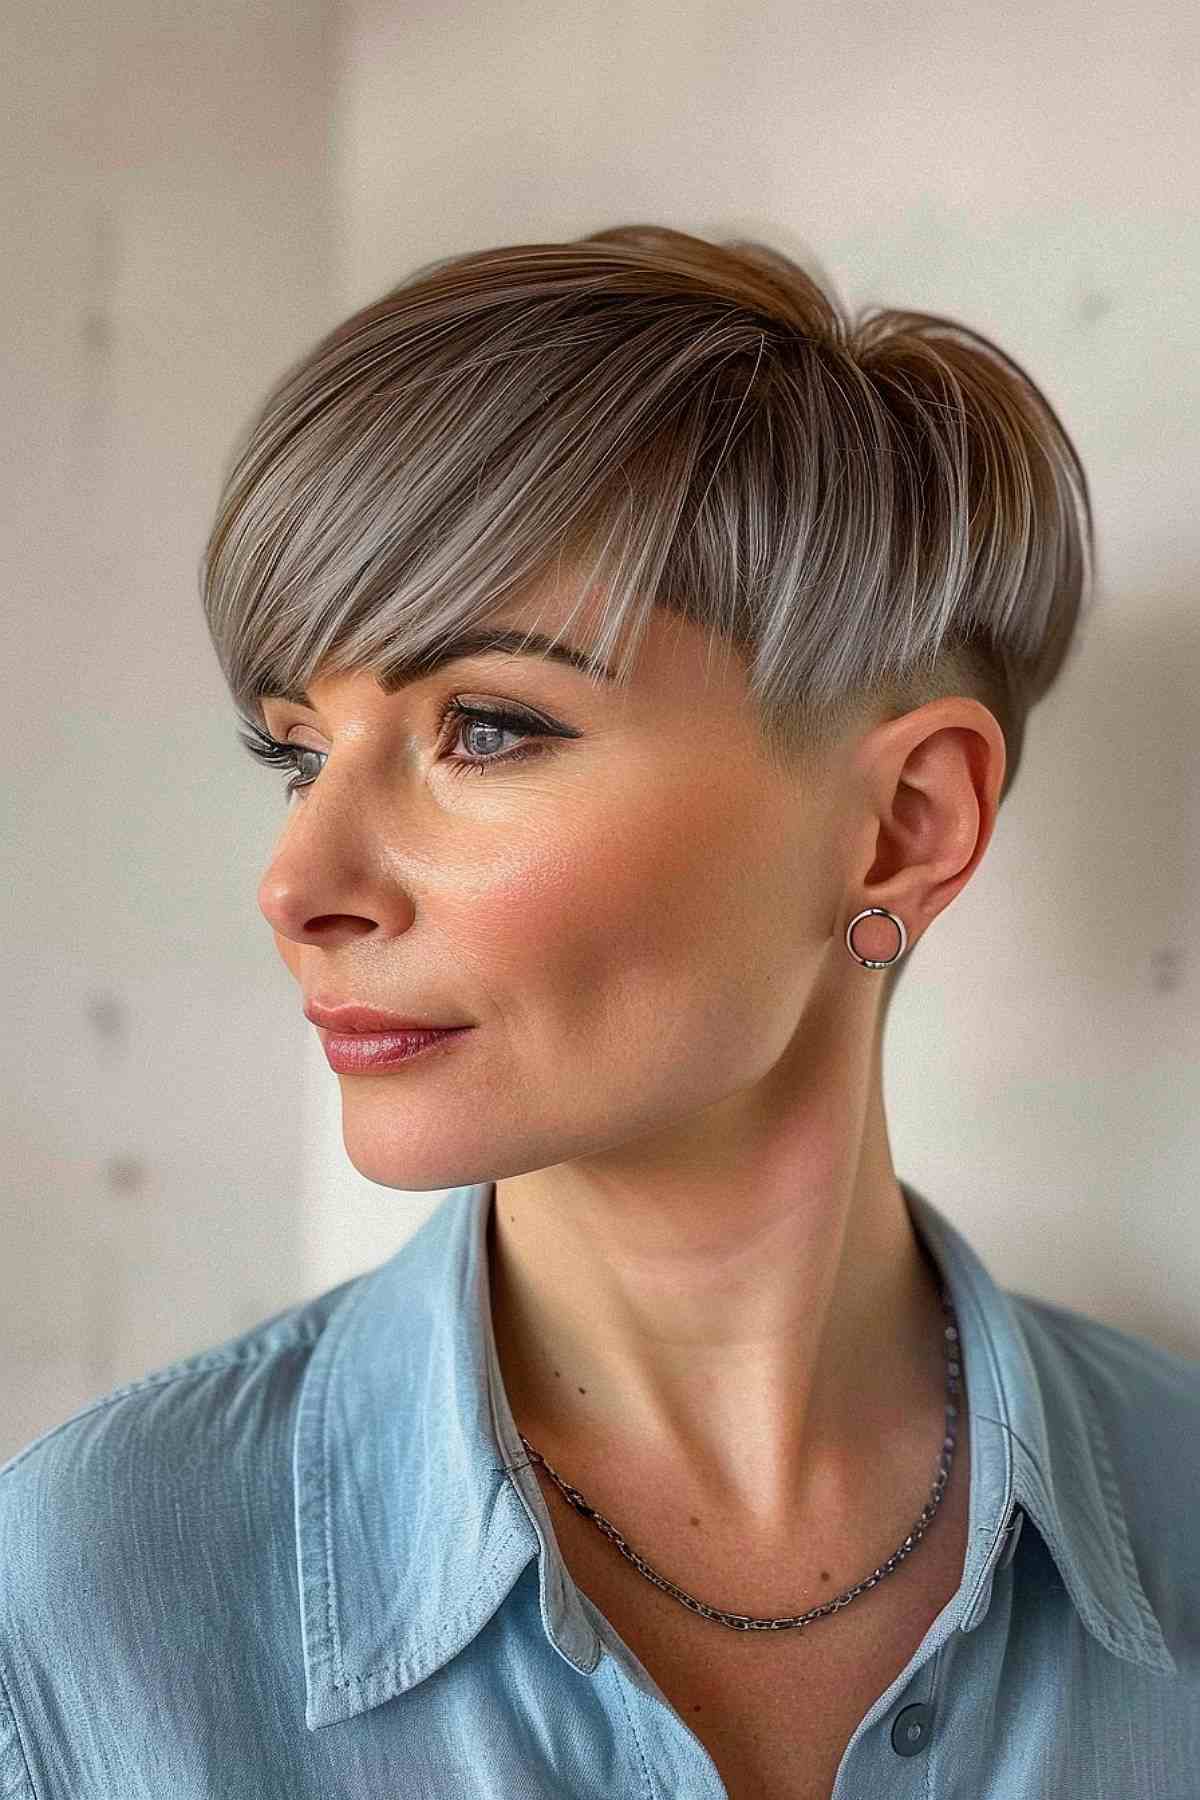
631, 917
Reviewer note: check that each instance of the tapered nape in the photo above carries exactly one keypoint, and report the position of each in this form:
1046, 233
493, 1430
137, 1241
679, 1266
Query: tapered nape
870, 512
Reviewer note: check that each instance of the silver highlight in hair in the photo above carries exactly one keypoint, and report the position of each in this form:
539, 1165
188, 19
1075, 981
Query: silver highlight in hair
869, 512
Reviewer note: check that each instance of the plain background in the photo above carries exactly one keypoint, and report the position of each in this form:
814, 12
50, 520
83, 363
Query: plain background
191, 196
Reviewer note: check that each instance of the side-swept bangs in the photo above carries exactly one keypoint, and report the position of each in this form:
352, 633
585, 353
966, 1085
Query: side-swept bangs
870, 512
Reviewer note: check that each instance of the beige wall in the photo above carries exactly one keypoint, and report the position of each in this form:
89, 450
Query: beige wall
168, 243
190, 197
1032, 170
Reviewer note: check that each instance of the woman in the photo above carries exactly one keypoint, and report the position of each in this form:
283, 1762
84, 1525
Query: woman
650, 648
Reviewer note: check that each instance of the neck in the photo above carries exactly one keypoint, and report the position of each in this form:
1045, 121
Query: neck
774, 1341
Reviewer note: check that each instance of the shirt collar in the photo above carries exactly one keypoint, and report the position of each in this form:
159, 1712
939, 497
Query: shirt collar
416, 1511
1038, 1448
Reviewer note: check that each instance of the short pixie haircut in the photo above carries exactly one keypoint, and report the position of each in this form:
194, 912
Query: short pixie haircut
871, 512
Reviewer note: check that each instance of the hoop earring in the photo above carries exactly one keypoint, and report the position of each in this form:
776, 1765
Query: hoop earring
869, 912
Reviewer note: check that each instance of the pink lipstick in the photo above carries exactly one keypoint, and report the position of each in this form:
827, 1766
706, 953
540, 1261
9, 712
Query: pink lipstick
367, 1051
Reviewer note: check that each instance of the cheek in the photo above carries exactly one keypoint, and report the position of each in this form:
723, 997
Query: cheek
658, 932
556, 922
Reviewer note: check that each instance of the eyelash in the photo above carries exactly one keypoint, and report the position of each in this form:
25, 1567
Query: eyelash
267, 749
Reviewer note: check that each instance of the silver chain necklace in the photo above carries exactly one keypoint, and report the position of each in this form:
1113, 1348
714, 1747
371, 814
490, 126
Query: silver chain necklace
742, 1621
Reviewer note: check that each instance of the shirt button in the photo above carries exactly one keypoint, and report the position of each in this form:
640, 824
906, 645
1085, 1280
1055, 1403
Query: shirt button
911, 1731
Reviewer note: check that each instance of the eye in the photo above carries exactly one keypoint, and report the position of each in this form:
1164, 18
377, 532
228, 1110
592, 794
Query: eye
278, 755
496, 719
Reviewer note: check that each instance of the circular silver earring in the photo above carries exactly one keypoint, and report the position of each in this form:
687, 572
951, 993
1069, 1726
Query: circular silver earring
882, 912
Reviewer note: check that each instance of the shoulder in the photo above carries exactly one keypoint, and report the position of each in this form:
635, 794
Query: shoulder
1147, 1397
110, 1499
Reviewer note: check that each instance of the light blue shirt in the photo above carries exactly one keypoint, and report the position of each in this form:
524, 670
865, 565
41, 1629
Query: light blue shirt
314, 1563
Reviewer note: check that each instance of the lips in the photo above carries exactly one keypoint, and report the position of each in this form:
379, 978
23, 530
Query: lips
349, 1020
361, 1053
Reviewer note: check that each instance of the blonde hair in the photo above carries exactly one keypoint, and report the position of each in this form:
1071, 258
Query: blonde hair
871, 512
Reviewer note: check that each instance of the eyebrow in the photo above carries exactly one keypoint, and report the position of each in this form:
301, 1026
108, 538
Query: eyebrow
483, 643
